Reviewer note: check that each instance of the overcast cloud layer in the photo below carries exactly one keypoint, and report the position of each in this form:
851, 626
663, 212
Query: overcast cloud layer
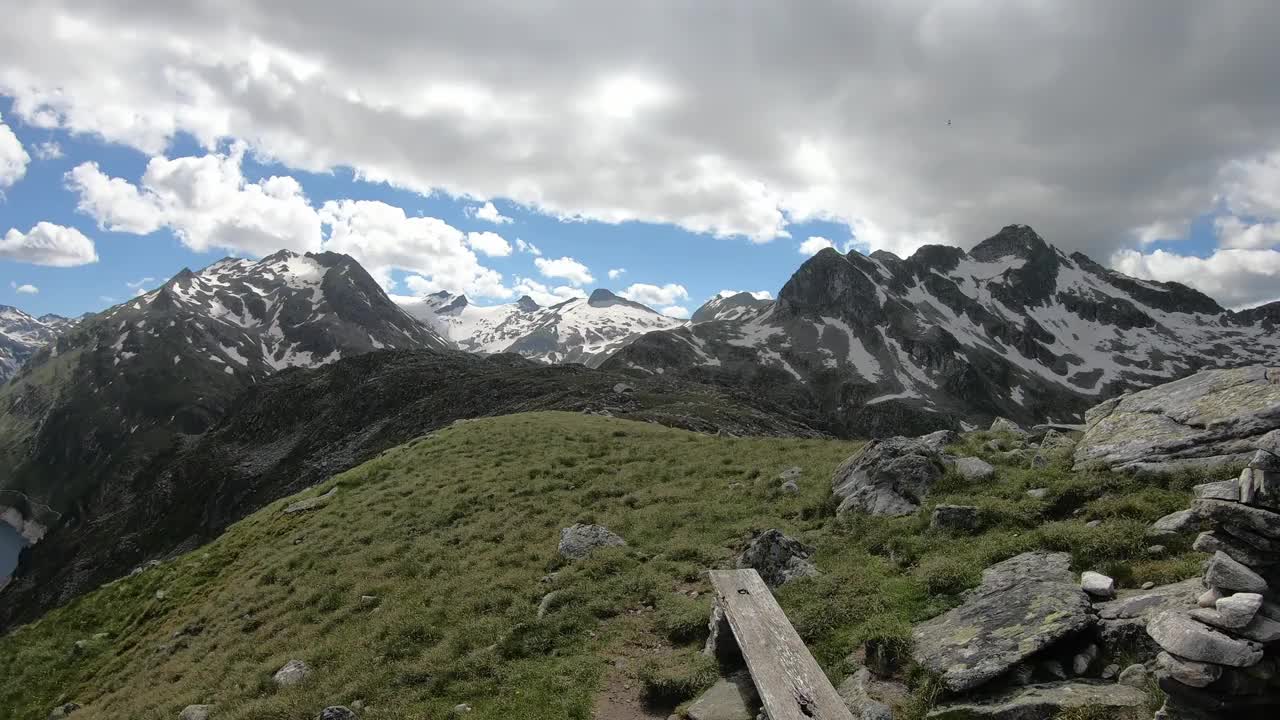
1104, 125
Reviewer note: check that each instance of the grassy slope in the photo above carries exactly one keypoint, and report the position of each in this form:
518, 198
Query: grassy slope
454, 533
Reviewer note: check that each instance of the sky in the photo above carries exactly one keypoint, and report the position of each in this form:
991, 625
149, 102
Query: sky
666, 150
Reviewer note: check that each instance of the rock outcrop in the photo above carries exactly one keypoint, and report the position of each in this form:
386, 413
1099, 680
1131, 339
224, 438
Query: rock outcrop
888, 477
1023, 606
1118, 701
1214, 418
579, 541
1218, 660
778, 558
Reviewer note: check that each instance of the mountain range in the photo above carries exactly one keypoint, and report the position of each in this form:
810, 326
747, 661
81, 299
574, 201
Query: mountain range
578, 330
158, 421
21, 335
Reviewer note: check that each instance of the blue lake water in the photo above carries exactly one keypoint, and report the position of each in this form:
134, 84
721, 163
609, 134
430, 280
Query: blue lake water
11, 543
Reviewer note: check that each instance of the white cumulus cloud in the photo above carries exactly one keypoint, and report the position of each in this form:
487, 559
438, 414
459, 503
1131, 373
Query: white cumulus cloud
24, 289
565, 268
676, 311
489, 243
616, 273
1235, 277
813, 245
489, 213
13, 157
48, 150
655, 295
757, 294
48, 244
544, 295
528, 247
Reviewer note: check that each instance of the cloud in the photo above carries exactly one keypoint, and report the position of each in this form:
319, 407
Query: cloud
813, 245
655, 295
491, 244
528, 247
676, 311
206, 201
24, 289
916, 122
139, 287
1235, 233
383, 238
488, 213
544, 295
1235, 277
566, 268
49, 150
757, 294
48, 244
616, 273
13, 157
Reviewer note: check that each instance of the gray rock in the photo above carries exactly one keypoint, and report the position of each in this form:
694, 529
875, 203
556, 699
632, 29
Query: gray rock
1188, 672
1056, 443
790, 473
973, 468
1156, 550
1023, 605
196, 712
1046, 700
731, 698
544, 606
1093, 523
855, 692
461, 709
1038, 493
720, 644
1039, 460
790, 487
887, 477
1269, 442
940, 439
1260, 486
1174, 524
1135, 676
1084, 659
1215, 542
1148, 585
1213, 418
1237, 610
1179, 635
1227, 574
1053, 669
623, 389
312, 503
1221, 490
293, 672
1097, 585
1006, 425
1261, 629
1209, 598
955, 518
578, 540
1110, 672
337, 712
778, 558
63, 710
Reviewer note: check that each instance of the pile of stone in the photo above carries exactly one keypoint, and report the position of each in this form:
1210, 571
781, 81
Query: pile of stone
1219, 660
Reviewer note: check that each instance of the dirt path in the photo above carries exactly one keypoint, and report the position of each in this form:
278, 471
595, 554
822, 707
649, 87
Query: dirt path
621, 697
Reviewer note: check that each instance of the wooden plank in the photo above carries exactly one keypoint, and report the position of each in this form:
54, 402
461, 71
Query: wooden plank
790, 683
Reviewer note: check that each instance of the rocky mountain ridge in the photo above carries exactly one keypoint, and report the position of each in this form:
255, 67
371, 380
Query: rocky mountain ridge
21, 335
946, 338
582, 330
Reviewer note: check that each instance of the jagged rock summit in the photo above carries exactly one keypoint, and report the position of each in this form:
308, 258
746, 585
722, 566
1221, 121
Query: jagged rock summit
1013, 327
21, 335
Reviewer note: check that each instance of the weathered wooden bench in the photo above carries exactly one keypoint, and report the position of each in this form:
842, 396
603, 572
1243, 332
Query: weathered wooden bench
787, 678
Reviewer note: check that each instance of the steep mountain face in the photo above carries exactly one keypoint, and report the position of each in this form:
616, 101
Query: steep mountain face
86, 417
299, 427
579, 330
1013, 327
22, 335
739, 306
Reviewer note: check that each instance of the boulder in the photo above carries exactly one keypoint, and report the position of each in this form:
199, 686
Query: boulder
1006, 425
973, 468
196, 712
293, 672
1055, 443
1174, 524
1257, 520
623, 389
731, 698
1023, 605
1220, 490
955, 518
938, 440
790, 473
311, 503
1188, 672
778, 558
1211, 419
887, 477
856, 693
1239, 609
63, 710
1179, 635
1218, 541
337, 712
1259, 486
1046, 700
578, 540
1097, 585
1135, 676
1225, 573
1261, 629
1038, 493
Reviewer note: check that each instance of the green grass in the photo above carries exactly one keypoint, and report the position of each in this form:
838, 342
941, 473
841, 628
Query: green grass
455, 535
